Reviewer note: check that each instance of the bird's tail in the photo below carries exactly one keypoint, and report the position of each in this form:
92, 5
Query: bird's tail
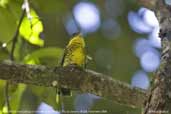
59, 97
65, 92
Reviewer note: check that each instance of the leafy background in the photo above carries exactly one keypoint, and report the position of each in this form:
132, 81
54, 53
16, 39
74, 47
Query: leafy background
112, 49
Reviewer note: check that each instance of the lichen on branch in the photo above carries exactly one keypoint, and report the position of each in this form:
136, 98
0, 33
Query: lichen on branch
74, 78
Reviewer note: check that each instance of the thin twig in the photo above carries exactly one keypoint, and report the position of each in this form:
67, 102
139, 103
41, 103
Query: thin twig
15, 37
14, 41
7, 97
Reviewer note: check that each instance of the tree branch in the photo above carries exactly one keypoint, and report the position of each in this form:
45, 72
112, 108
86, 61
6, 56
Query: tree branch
74, 78
159, 96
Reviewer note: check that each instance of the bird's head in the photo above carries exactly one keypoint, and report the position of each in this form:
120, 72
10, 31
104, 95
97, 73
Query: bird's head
77, 39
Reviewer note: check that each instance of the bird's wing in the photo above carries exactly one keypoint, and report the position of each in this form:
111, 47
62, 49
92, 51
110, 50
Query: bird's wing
63, 58
85, 61
66, 51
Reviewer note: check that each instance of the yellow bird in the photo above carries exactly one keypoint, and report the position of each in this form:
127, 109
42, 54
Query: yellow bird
74, 53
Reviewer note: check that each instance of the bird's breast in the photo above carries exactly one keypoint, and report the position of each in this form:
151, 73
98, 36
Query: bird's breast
76, 56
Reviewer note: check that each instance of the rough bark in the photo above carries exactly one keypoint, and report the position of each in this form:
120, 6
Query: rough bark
159, 95
74, 78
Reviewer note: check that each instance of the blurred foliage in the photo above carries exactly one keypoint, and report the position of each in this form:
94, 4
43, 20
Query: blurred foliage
48, 20
16, 97
2, 85
3, 3
44, 56
31, 27
3, 53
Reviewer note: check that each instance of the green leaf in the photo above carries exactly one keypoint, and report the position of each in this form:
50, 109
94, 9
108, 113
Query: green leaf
2, 95
3, 3
11, 90
44, 94
31, 28
8, 20
16, 97
49, 54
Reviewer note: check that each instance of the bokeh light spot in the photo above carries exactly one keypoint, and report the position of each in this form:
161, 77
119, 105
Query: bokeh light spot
154, 39
85, 101
150, 60
46, 109
141, 45
87, 16
168, 2
111, 29
116, 6
137, 24
70, 25
148, 17
140, 79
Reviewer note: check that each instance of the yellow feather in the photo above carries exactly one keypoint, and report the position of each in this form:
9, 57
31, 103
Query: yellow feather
75, 52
